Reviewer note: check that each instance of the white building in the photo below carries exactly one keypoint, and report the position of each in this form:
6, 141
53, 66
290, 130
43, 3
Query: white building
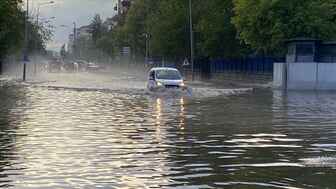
310, 65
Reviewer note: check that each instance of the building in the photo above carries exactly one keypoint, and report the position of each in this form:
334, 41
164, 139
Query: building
70, 43
111, 23
310, 65
82, 32
123, 6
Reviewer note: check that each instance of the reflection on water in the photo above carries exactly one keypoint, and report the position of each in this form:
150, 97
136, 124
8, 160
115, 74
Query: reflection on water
64, 138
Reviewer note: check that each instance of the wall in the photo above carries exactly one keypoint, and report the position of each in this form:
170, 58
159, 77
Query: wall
302, 76
279, 76
305, 76
326, 76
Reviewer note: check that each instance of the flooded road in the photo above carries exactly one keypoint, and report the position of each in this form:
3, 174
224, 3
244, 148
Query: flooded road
81, 137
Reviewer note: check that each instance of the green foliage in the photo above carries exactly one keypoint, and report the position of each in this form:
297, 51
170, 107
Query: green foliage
97, 28
12, 25
222, 28
265, 24
39, 35
169, 29
167, 22
63, 52
217, 35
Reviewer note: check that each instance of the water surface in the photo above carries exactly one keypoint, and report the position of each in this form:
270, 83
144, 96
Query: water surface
54, 137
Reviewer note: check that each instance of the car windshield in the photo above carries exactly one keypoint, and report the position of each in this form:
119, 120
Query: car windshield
168, 74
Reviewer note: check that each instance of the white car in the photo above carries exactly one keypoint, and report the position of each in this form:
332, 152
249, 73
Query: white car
165, 78
92, 67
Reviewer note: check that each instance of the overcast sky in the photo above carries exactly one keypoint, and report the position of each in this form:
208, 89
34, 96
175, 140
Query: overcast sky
68, 11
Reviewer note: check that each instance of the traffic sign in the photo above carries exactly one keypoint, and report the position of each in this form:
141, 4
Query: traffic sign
186, 62
126, 51
25, 58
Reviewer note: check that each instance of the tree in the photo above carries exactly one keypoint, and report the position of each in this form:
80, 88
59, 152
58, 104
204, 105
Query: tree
167, 22
63, 52
266, 24
216, 33
97, 28
135, 27
12, 25
168, 27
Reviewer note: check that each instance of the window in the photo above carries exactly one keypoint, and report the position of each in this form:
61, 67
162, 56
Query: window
304, 49
152, 75
291, 50
168, 74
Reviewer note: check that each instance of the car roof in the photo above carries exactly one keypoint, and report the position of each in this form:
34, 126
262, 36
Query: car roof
163, 68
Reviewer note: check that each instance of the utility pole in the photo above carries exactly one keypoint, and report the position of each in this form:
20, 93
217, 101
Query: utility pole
75, 41
147, 35
36, 43
38, 27
25, 54
119, 7
191, 41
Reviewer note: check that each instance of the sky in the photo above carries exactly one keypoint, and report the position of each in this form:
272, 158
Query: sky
66, 12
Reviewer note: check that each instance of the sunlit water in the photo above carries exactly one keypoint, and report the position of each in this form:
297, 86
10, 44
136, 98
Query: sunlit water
81, 137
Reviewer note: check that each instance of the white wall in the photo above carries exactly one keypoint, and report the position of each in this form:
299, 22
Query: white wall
302, 76
326, 76
305, 76
279, 75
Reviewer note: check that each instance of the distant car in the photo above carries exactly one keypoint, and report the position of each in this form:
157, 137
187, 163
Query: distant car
82, 65
69, 67
54, 66
165, 78
93, 67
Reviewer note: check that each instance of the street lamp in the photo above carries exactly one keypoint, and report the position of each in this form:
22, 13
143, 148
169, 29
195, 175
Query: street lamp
37, 24
38, 10
191, 41
46, 20
75, 41
25, 54
74, 45
147, 36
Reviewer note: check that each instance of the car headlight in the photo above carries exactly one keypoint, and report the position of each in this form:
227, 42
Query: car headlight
159, 84
182, 84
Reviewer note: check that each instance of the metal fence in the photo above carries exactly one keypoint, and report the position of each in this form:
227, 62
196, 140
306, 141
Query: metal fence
246, 65
206, 67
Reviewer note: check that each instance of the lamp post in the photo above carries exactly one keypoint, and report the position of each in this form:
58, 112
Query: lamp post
25, 54
147, 36
75, 41
119, 7
191, 41
37, 25
38, 9
74, 44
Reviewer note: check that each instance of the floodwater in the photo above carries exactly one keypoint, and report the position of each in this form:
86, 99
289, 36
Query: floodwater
90, 137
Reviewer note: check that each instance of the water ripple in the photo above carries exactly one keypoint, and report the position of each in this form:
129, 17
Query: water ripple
61, 137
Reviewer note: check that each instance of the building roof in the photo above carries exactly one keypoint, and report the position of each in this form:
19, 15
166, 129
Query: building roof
302, 39
329, 43
163, 68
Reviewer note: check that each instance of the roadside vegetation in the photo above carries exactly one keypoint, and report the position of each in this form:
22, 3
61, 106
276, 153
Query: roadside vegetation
12, 24
222, 28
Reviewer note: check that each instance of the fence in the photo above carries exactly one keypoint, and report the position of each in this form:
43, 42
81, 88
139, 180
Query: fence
262, 65
207, 68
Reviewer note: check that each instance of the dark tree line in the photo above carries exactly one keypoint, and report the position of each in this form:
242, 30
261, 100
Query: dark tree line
222, 28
